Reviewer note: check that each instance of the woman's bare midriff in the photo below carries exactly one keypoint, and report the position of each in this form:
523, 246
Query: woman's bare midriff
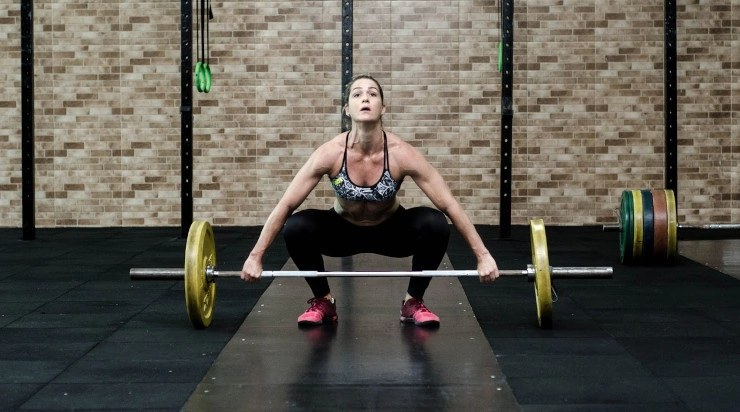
366, 213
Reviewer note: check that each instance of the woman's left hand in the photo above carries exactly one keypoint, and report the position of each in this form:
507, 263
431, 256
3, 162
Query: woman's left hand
487, 268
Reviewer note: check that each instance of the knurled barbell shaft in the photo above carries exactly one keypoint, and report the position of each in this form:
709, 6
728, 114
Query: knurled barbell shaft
555, 273
708, 226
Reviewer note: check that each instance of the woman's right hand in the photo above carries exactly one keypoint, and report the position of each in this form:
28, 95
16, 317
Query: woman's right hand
252, 270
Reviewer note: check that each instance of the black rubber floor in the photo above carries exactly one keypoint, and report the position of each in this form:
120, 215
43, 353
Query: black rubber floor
77, 334
367, 361
651, 339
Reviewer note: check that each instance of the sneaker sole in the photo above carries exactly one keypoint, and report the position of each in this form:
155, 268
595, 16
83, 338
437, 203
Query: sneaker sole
427, 323
321, 322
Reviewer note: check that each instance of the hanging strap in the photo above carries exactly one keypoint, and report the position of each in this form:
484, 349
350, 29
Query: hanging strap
208, 32
202, 68
202, 26
197, 40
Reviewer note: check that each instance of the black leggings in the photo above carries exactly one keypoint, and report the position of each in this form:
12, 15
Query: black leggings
421, 232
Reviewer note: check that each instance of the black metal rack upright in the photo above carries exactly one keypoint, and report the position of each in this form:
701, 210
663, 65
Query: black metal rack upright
670, 93
507, 115
27, 123
347, 25
186, 116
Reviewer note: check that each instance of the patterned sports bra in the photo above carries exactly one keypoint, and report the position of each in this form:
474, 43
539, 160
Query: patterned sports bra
384, 189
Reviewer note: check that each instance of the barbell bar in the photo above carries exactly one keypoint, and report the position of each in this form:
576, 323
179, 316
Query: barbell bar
200, 274
211, 273
648, 227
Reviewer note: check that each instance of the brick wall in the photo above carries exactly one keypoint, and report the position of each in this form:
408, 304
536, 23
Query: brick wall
588, 100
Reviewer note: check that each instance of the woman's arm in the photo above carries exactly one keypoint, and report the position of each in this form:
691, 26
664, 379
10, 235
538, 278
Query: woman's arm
434, 187
303, 183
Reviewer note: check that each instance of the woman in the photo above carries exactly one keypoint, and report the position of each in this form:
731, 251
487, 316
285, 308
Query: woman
366, 166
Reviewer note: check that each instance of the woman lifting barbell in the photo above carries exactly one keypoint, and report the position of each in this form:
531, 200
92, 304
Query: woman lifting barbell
367, 216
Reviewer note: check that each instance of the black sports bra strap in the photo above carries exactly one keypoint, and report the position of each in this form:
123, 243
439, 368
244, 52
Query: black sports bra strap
346, 143
386, 161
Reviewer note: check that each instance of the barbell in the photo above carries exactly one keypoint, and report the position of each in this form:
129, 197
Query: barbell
200, 273
648, 227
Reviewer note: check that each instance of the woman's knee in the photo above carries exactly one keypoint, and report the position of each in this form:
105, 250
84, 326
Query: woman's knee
431, 222
301, 224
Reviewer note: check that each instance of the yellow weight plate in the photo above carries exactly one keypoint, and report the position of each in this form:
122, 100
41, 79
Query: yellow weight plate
541, 263
672, 225
637, 245
200, 293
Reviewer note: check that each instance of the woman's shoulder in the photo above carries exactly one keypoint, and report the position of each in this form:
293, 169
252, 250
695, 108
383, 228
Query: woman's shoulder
399, 147
336, 143
331, 150
405, 158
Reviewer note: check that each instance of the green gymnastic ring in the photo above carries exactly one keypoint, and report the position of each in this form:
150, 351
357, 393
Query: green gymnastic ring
207, 75
199, 76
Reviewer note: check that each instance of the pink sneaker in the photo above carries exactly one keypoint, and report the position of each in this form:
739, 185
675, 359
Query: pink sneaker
414, 310
322, 309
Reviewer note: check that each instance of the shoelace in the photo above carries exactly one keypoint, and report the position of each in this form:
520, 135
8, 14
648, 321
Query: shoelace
316, 304
420, 307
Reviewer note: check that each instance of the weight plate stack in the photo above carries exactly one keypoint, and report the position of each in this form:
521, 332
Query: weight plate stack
648, 227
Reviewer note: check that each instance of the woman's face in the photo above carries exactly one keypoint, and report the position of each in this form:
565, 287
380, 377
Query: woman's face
364, 102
